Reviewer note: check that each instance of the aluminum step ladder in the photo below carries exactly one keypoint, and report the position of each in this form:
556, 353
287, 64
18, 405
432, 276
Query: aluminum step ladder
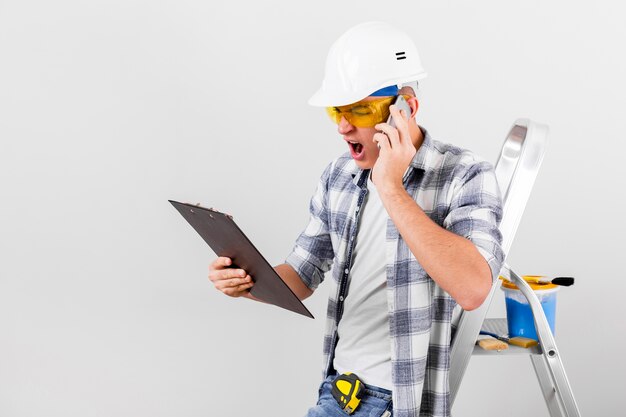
516, 170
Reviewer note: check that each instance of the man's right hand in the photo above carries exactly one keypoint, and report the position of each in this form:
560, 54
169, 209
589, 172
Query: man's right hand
233, 282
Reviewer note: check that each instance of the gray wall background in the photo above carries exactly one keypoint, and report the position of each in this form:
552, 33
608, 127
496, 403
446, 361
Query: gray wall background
109, 108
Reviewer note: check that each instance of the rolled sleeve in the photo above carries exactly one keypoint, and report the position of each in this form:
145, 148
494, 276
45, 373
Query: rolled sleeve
313, 253
476, 211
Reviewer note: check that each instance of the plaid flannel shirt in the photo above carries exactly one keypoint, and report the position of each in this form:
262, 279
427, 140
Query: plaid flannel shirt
457, 191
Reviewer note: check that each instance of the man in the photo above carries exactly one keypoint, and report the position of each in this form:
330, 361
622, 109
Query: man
409, 226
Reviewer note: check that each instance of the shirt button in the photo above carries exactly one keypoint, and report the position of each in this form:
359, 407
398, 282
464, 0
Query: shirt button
341, 298
346, 270
357, 209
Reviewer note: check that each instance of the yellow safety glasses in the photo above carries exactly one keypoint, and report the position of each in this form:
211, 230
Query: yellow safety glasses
363, 113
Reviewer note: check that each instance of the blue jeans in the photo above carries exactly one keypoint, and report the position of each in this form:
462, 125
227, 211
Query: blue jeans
375, 402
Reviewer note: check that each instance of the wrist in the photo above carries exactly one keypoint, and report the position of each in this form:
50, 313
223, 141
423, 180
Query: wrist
390, 191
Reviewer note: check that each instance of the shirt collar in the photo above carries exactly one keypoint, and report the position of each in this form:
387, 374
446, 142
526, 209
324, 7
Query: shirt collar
423, 158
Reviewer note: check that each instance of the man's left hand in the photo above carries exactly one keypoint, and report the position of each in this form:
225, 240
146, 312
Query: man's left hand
396, 151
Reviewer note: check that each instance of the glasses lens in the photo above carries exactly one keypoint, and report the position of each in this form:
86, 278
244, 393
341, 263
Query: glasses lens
363, 113
334, 113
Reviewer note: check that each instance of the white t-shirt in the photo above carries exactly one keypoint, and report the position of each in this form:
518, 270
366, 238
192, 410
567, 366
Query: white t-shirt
364, 346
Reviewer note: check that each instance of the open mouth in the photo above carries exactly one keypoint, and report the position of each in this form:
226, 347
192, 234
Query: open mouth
356, 147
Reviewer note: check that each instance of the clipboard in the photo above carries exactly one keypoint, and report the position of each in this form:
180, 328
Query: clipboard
225, 238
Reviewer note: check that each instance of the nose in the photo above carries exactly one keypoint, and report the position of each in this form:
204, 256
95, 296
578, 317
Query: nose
344, 126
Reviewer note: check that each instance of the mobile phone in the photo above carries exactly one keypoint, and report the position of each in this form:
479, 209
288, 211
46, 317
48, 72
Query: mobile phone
402, 104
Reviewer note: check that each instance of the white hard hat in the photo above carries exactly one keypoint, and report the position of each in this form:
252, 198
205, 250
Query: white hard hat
366, 58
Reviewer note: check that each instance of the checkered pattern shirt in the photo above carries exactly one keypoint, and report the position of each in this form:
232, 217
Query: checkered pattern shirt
456, 190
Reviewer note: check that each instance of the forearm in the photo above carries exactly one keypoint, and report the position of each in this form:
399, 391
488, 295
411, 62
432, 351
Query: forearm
449, 259
293, 281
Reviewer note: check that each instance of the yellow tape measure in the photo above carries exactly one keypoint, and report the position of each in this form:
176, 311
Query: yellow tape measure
347, 391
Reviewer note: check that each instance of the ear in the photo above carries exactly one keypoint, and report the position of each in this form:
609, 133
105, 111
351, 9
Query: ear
414, 104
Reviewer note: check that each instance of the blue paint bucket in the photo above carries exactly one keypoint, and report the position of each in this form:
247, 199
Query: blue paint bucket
519, 315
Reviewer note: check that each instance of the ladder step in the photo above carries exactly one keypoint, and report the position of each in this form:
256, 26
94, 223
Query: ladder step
499, 326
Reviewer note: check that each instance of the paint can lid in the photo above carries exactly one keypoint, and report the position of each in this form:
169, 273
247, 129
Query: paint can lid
532, 280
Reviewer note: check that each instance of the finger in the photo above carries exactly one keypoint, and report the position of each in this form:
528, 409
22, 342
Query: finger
231, 292
225, 274
399, 117
382, 140
245, 287
232, 273
220, 263
375, 139
223, 284
231, 283
396, 134
236, 291
391, 132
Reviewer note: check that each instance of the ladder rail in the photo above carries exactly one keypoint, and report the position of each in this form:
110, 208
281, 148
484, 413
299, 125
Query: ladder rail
516, 170
542, 369
552, 364
523, 156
